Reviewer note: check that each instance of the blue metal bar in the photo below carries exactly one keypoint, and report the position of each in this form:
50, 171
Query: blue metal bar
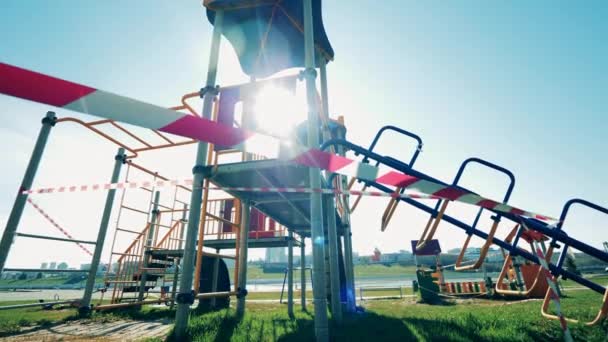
555, 233
562, 219
401, 131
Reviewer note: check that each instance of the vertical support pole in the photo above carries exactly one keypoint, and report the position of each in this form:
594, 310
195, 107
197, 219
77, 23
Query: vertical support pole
334, 270
214, 280
332, 234
351, 297
148, 246
303, 273
177, 263
243, 243
316, 209
30, 172
290, 274
185, 298
85, 303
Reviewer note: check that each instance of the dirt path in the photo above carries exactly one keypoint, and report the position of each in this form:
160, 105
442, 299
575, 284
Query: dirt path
121, 330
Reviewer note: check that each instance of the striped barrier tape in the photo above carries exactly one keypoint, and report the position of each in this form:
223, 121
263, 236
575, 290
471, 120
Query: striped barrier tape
552, 288
56, 225
53, 91
189, 182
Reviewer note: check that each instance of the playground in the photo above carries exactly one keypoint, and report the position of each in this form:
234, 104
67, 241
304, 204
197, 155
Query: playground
193, 190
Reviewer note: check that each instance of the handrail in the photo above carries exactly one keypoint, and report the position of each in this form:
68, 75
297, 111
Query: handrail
603, 312
139, 237
533, 224
403, 132
488, 242
392, 205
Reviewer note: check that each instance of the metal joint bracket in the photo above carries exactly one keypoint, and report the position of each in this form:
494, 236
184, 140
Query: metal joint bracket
308, 72
155, 211
555, 245
198, 169
495, 218
241, 293
209, 90
121, 157
185, 298
206, 171
49, 121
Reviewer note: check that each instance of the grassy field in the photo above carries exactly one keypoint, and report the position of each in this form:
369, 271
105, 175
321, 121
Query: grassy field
395, 320
385, 320
12, 320
46, 282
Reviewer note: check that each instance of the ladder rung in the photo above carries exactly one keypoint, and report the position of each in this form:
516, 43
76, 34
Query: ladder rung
177, 239
125, 254
121, 281
163, 206
178, 201
164, 225
154, 247
135, 210
146, 189
54, 238
129, 231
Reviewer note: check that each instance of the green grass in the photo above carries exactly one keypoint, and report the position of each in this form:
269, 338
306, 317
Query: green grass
382, 270
397, 320
12, 320
366, 293
386, 320
50, 282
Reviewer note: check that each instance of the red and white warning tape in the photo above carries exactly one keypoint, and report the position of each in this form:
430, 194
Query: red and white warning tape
49, 90
552, 288
189, 182
56, 225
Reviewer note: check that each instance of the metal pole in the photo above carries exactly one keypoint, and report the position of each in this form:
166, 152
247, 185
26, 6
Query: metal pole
316, 209
334, 270
177, 263
13, 220
243, 242
351, 296
332, 234
214, 280
85, 304
303, 273
290, 274
185, 298
148, 247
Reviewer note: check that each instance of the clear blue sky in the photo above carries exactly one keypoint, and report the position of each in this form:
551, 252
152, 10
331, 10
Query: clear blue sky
522, 84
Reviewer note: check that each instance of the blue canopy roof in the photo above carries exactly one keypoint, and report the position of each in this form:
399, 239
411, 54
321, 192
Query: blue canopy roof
267, 35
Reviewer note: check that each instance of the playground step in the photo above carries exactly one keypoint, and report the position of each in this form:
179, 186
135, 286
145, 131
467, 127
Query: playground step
136, 288
149, 277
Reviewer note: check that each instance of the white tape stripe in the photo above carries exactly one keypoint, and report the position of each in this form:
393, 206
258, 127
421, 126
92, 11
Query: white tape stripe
134, 112
408, 193
421, 189
553, 287
56, 225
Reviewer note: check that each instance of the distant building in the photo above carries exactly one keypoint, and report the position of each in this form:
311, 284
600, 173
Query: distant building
85, 267
62, 266
53, 265
44, 266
